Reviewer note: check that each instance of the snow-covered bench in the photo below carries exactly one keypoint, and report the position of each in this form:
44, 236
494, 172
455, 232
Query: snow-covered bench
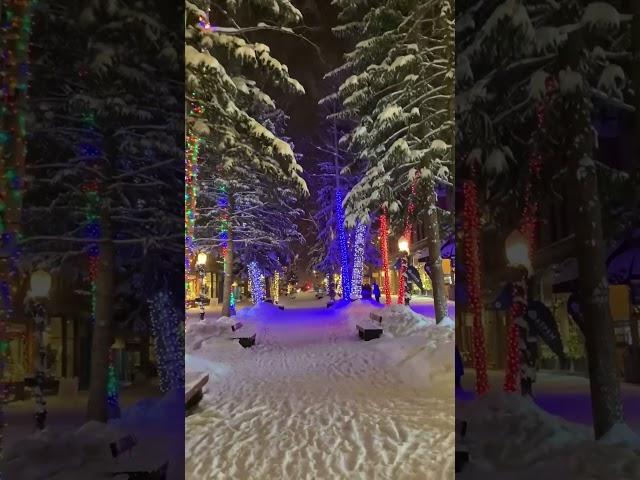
125, 444
246, 335
375, 317
236, 326
367, 330
193, 388
462, 451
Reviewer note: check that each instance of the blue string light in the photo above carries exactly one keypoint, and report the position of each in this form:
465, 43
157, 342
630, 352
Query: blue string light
358, 261
344, 252
165, 321
255, 279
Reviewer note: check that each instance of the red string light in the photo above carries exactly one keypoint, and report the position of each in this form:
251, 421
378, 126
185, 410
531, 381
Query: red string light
408, 230
471, 227
384, 250
529, 231
513, 352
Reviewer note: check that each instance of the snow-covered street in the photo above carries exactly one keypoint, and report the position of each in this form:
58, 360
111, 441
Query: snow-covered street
311, 400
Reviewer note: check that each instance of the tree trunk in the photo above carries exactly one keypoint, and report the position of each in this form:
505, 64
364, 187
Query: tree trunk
228, 274
435, 259
593, 287
103, 327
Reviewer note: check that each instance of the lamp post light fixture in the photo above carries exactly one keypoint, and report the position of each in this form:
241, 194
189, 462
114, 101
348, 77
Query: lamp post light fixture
40, 283
517, 250
201, 263
403, 245
403, 248
519, 259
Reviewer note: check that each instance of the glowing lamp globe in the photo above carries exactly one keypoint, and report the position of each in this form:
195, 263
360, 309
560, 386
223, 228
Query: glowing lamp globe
517, 250
40, 284
403, 245
202, 259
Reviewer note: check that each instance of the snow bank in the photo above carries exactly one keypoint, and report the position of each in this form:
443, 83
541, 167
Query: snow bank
622, 435
196, 333
510, 434
401, 321
165, 413
421, 359
58, 455
52, 454
261, 311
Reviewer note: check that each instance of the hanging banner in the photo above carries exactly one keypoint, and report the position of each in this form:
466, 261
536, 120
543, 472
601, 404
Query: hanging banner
544, 325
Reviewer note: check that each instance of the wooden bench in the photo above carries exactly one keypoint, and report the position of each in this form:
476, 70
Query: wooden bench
193, 389
367, 330
462, 452
375, 317
246, 336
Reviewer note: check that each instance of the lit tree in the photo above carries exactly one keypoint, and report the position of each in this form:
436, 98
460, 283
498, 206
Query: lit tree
512, 56
105, 158
400, 93
224, 102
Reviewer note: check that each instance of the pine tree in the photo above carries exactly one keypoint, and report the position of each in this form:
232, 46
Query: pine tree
400, 93
511, 55
105, 159
224, 102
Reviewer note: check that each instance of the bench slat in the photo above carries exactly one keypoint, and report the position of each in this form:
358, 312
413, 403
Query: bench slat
194, 385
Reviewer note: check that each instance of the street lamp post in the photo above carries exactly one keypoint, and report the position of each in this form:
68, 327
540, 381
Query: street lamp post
40, 286
519, 260
201, 263
403, 288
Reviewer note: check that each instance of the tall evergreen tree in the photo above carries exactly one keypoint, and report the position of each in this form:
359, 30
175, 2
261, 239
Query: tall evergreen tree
105, 156
511, 55
400, 93
224, 102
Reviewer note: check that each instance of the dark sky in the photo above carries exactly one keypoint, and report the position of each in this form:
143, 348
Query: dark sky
308, 65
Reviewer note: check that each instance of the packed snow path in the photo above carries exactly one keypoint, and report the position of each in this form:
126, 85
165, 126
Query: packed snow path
312, 401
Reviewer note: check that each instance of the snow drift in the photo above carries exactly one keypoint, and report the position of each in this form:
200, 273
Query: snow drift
509, 436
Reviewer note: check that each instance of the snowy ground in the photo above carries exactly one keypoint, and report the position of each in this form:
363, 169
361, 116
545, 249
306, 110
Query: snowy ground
312, 401
514, 438
82, 452
71, 449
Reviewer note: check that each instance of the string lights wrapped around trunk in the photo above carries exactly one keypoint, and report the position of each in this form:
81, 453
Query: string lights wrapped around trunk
408, 230
190, 195
384, 251
165, 321
358, 261
275, 294
344, 251
92, 152
256, 283
471, 225
518, 356
15, 29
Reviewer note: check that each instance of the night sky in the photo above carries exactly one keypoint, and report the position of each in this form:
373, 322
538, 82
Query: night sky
308, 66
